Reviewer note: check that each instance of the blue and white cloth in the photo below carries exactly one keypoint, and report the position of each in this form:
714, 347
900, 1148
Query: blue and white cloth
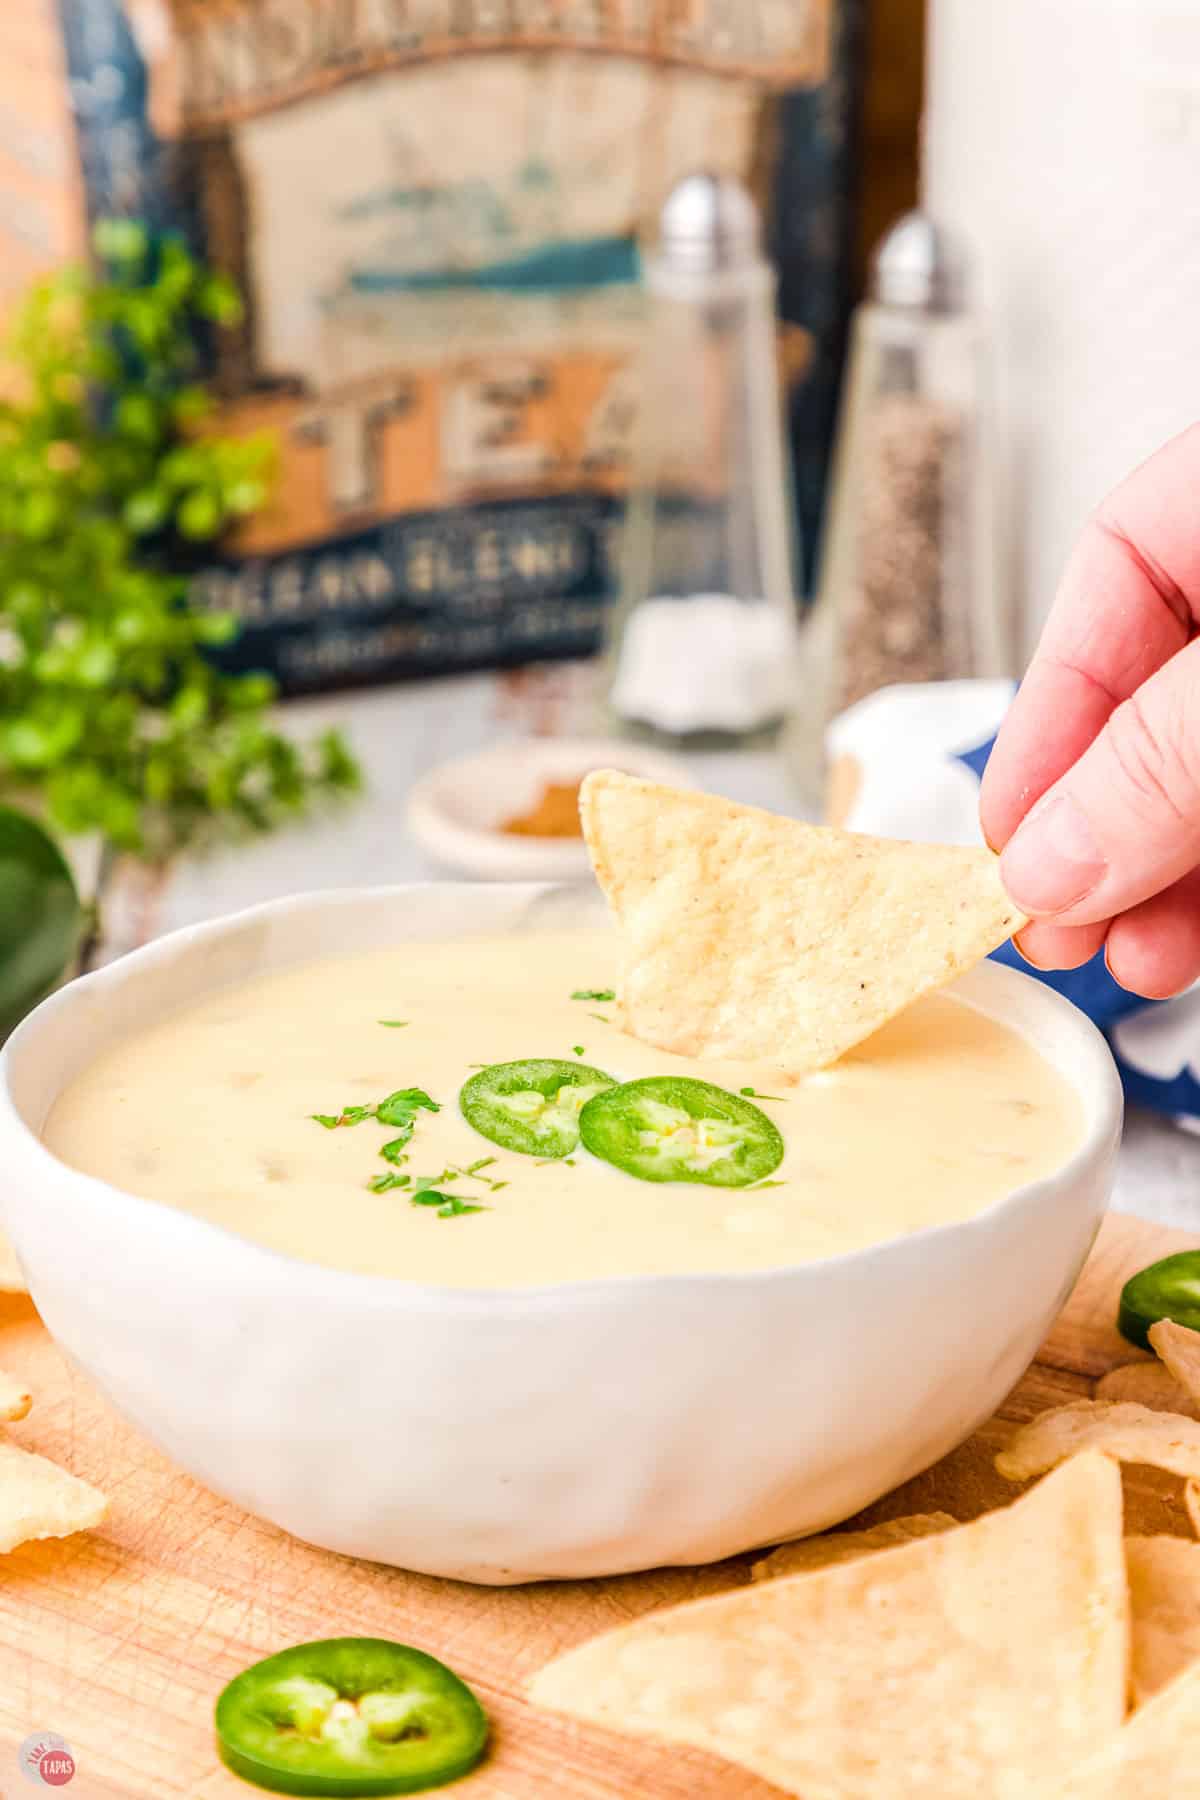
918, 754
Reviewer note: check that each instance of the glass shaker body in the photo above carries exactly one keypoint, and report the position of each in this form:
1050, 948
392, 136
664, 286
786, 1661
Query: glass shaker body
908, 589
703, 638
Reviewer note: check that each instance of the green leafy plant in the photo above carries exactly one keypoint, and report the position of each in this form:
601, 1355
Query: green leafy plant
112, 714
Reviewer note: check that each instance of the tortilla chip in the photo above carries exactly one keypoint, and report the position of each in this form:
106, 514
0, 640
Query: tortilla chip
1191, 1503
1164, 1593
15, 1397
754, 938
1178, 1349
1151, 1758
11, 1279
984, 1661
1121, 1429
40, 1500
834, 1547
1149, 1384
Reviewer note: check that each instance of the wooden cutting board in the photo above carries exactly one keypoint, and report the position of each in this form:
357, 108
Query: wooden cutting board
120, 1640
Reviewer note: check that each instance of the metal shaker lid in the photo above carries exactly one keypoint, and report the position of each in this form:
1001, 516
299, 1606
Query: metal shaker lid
708, 222
920, 264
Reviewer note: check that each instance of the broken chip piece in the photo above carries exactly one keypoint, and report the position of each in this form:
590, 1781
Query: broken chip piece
1149, 1384
1164, 1594
15, 1397
40, 1500
1153, 1755
1120, 1429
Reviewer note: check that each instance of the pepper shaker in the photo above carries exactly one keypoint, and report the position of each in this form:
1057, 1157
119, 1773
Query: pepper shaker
908, 589
703, 640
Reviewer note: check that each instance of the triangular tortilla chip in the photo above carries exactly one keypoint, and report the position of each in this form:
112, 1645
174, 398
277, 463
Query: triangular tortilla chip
986, 1661
833, 1547
1164, 1593
758, 939
1152, 1758
1178, 1348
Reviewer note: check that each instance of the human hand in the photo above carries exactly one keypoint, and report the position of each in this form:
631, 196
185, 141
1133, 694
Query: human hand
1092, 791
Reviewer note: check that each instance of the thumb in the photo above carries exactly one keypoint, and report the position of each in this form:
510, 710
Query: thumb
1124, 821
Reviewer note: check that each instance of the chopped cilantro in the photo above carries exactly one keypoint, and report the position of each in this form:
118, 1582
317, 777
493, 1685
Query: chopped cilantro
349, 1115
455, 1208
401, 1108
449, 1206
379, 1184
474, 1170
570, 1162
578, 1049
428, 1196
431, 1181
753, 1094
759, 1185
594, 994
392, 1024
393, 1150
603, 1020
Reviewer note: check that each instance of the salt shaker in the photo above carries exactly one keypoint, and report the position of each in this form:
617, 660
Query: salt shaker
908, 589
703, 639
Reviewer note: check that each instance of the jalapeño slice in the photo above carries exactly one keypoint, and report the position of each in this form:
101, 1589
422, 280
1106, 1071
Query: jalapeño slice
532, 1107
350, 1716
671, 1128
1169, 1289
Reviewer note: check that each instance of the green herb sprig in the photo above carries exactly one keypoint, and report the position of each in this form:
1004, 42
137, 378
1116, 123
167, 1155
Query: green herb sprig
112, 710
449, 1206
594, 994
349, 1115
399, 1110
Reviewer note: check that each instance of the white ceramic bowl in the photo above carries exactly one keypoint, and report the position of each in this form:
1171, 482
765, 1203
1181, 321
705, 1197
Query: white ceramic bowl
456, 811
500, 1435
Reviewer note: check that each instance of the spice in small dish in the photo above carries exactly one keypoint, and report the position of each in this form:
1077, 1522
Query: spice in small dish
554, 814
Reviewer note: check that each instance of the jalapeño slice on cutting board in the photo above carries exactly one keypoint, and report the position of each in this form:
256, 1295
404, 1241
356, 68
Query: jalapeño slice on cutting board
1169, 1289
672, 1128
532, 1106
350, 1716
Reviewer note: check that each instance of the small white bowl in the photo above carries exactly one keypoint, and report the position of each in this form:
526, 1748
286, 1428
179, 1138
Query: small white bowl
502, 1435
456, 810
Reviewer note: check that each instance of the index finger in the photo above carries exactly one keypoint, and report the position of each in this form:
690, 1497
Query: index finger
1130, 598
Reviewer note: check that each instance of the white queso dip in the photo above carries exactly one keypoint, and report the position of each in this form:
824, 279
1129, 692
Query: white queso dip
450, 1112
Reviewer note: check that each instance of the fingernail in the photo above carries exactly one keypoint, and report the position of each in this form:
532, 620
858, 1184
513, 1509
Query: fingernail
1053, 861
1024, 954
